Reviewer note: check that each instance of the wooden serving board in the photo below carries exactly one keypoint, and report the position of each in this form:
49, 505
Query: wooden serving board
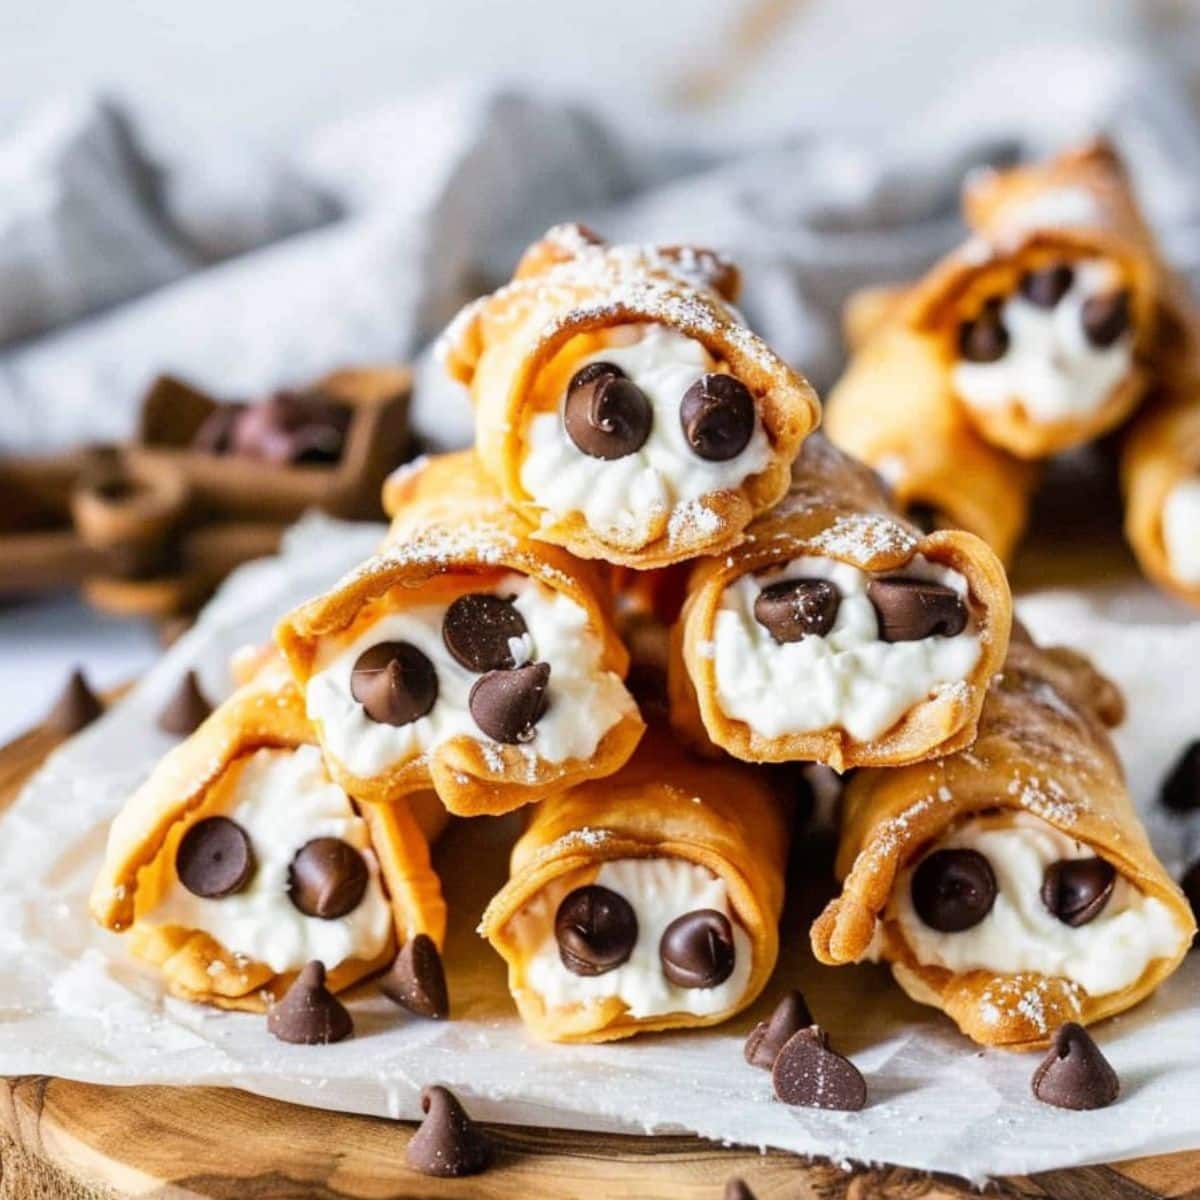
61, 1140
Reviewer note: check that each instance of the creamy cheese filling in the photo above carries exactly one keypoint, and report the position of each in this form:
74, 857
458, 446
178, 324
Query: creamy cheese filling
1181, 530
584, 699
659, 890
1020, 934
633, 498
1050, 368
848, 679
283, 799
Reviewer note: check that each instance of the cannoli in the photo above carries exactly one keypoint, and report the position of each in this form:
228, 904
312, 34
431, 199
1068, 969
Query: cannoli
240, 860
621, 404
463, 656
646, 901
837, 632
1160, 476
1011, 885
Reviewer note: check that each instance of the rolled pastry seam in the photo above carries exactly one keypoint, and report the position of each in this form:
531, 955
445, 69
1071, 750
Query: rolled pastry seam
1040, 788
646, 491
255, 762
670, 836
532, 606
1160, 477
861, 685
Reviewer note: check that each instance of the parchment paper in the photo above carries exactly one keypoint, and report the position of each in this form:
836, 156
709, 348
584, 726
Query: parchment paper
73, 1003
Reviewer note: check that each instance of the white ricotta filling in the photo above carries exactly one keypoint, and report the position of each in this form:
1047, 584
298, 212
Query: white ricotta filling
283, 799
1181, 530
633, 497
659, 890
585, 700
1021, 934
848, 679
1050, 368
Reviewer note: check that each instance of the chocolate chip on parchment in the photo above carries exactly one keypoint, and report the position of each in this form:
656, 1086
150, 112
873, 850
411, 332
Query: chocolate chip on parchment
478, 629
507, 705
1076, 890
794, 609
596, 930
77, 706
215, 858
697, 949
606, 414
417, 980
912, 609
1075, 1074
1181, 788
768, 1037
186, 710
1047, 287
717, 415
808, 1073
984, 340
327, 878
448, 1143
1105, 318
953, 890
310, 1014
394, 682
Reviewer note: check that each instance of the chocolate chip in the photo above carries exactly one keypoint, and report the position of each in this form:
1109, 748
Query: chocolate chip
737, 1189
327, 878
1106, 318
912, 609
395, 683
478, 628
794, 609
1075, 1074
448, 1144
310, 1014
187, 709
596, 930
507, 705
807, 1072
984, 339
1076, 890
953, 890
606, 415
697, 949
1047, 287
717, 415
417, 981
76, 707
768, 1037
215, 858
1181, 788
1190, 883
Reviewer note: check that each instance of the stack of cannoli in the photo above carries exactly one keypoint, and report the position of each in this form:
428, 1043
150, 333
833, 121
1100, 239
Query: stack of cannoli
647, 586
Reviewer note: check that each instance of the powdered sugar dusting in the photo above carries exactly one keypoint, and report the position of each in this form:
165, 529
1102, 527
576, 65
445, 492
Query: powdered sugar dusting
862, 537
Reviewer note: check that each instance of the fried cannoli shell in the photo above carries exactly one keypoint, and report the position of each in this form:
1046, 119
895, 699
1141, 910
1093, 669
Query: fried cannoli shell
449, 523
837, 509
266, 713
723, 816
571, 286
1042, 749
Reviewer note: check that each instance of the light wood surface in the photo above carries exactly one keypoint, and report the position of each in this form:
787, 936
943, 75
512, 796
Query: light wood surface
61, 1140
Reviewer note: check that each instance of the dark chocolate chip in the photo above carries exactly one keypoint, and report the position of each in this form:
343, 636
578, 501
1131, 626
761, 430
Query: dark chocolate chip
448, 1144
807, 1072
291, 428
697, 949
310, 1014
395, 683
1076, 890
794, 609
507, 705
606, 415
912, 609
768, 1037
477, 630
717, 415
1106, 318
76, 707
984, 339
596, 930
327, 878
953, 890
1047, 287
1181, 788
417, 981
1190, 883
187, 709
738, 1189
1074, 1074
215, 858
